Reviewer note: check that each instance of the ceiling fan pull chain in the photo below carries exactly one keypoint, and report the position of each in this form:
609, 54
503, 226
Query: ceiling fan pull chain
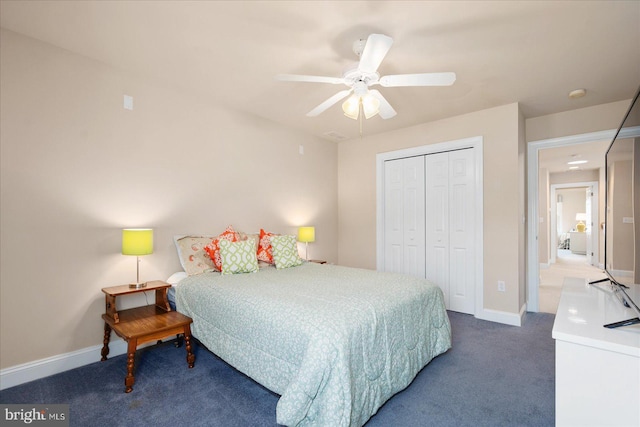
360, 115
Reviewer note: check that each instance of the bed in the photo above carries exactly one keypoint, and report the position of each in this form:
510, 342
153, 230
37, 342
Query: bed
334, 342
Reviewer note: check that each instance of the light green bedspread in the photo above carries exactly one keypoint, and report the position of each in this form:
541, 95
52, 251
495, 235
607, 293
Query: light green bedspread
334, 342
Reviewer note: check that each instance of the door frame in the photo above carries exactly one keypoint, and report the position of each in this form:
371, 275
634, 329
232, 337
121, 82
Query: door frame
476, 144
533, 147
595, 219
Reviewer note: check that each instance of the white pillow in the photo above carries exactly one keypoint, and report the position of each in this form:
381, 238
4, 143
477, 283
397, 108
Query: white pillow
175, 278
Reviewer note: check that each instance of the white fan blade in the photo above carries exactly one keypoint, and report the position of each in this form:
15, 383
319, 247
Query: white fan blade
374, 52
386, 111
329, 102
310, 79
425, 79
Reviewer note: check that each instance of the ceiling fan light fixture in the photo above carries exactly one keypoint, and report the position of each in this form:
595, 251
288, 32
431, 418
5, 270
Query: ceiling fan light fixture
370, 106
360, 76
351, 107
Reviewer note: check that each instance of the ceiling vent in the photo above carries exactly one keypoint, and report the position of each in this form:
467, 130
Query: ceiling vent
335, 135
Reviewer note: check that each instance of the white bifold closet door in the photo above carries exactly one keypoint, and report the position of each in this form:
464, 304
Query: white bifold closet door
429, 208
404, 228
450, 234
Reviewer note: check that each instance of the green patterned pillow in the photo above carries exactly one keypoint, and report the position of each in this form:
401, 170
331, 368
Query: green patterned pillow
285, 251
238, 257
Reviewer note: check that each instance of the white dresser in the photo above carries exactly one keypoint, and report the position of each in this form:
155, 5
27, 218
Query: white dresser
597, 369
578, 242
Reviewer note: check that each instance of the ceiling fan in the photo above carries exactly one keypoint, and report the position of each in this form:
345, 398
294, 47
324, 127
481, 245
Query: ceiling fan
364, 74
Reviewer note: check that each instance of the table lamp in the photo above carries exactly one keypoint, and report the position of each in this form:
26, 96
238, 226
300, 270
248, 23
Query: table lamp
137, 241
306, 235
580, 226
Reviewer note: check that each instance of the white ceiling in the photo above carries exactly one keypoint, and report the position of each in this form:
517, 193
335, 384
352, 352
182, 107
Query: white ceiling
531, 52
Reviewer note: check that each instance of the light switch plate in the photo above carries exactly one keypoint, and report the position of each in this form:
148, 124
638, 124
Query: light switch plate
128, 102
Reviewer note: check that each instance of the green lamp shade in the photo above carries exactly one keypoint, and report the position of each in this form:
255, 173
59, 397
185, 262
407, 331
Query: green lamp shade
137, 241
306, 234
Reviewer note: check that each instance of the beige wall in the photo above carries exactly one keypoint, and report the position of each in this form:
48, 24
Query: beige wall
500, 128
77, 167
636, 209
590, 175
576, 122
621, 245
602, 196
522, 210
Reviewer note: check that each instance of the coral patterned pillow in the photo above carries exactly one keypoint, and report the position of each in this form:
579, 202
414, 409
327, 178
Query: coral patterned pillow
213, 249
193, 258
265, 252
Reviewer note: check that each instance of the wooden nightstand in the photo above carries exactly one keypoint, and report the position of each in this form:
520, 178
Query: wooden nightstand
142, 324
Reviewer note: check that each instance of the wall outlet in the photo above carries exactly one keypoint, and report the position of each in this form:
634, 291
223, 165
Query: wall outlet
501, 286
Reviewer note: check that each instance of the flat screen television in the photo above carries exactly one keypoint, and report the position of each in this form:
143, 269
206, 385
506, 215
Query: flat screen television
622, 213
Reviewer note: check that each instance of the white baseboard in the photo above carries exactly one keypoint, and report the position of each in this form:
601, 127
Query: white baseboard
622, 273
513, 319
42, 368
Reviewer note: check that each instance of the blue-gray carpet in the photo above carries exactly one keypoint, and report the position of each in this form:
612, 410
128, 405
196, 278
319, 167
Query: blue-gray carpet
495, 375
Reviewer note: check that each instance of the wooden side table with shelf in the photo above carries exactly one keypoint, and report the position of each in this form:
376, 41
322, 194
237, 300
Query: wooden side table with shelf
143, 324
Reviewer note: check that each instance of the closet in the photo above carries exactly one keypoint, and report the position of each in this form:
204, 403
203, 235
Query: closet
429, 226
404, 216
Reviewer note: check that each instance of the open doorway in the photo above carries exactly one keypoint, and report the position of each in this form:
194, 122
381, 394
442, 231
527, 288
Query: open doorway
573, 214
573, 239
570, 208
